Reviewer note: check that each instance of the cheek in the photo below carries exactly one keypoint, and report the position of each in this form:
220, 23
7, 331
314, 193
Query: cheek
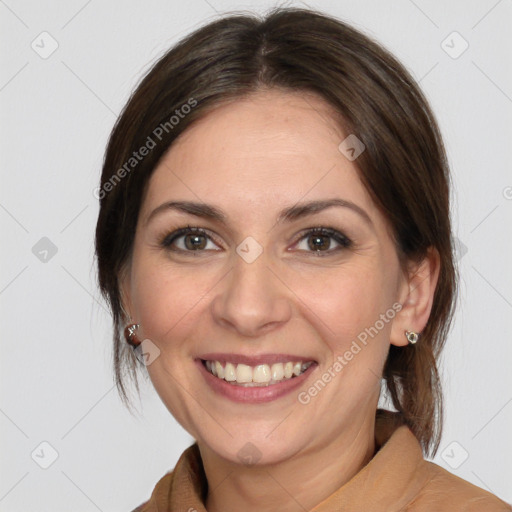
347, 303
165, 297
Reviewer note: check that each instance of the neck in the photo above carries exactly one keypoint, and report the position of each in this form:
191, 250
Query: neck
295, 484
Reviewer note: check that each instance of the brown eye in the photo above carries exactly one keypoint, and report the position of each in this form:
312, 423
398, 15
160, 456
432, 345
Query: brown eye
321, 240
189, 240
193, 241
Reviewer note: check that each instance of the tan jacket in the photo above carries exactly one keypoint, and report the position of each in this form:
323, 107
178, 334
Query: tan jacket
397, 479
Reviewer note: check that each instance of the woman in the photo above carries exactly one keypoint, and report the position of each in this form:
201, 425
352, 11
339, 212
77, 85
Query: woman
274, 241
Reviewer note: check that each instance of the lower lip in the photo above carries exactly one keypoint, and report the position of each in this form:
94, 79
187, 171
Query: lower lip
254, 394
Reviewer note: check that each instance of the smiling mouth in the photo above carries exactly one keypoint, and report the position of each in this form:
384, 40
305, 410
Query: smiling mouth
260, 375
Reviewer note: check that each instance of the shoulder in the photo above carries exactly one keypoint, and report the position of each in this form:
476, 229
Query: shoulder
446, 491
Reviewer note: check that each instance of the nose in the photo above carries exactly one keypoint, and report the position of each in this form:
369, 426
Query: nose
252, 300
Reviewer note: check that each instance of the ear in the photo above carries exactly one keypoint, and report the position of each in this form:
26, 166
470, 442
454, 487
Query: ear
416, 297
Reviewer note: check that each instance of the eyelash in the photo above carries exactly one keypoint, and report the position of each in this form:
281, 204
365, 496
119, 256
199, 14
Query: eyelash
343, 241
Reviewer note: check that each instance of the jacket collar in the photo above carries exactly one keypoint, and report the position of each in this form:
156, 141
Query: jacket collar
391, 479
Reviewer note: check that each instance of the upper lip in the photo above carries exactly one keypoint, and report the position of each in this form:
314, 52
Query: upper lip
255, 360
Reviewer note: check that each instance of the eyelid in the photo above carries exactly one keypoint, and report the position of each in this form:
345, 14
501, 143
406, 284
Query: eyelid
340, 238
169, 238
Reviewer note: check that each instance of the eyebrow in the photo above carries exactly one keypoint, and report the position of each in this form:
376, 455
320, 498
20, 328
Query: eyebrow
288, 214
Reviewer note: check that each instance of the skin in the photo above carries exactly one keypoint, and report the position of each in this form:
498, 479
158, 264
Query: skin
251, 158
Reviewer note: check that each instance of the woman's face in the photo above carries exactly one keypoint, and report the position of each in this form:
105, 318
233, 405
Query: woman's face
256, 288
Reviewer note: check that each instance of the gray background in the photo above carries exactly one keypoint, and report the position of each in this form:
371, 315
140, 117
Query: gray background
56, 115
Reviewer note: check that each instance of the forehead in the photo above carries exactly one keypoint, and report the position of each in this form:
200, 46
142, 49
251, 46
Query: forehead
267, 148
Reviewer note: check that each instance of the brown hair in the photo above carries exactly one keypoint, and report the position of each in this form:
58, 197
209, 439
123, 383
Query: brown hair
404, 166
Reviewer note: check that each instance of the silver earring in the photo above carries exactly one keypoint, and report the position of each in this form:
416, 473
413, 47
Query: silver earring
130, 336
412, 337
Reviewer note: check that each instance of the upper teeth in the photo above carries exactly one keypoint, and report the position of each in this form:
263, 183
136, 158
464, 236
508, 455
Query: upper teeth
260, 374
